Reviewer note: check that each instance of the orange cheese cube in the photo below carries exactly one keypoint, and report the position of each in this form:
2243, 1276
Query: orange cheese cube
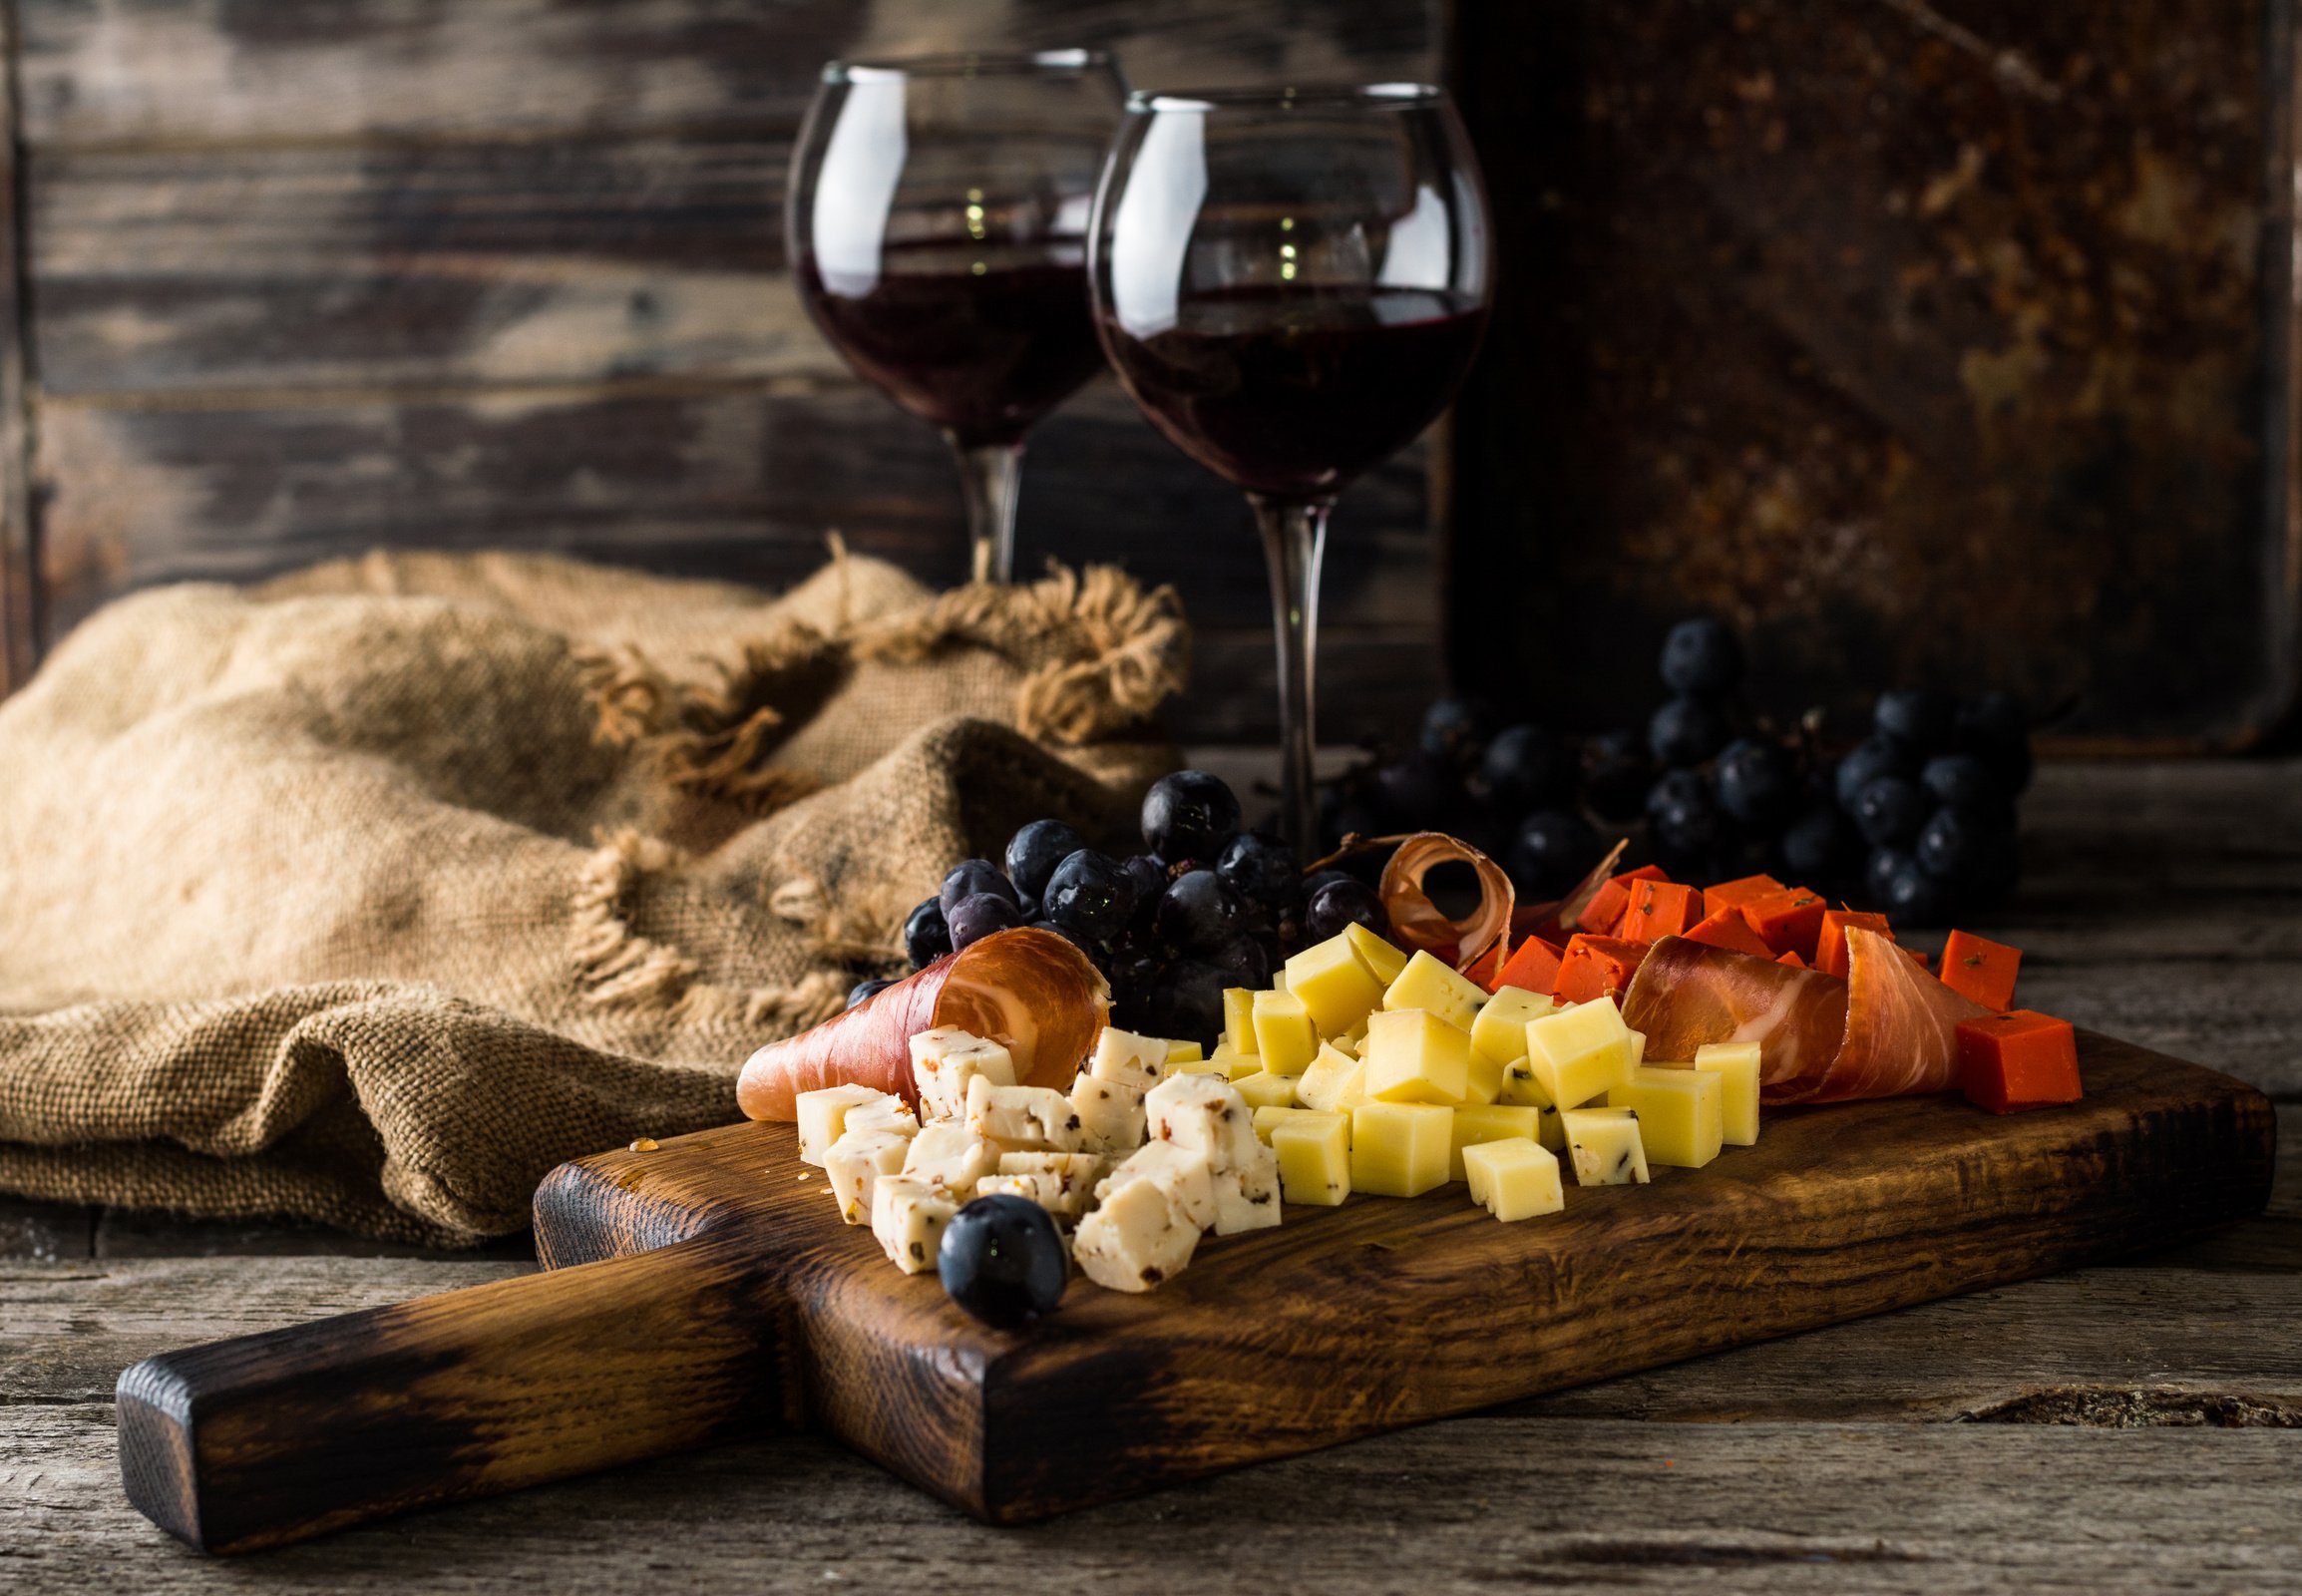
2017, 1060
1659, 909
1597, 967
1981, 970
1830, 956
1729, 928
1532, 967
1748, 889
1788, 921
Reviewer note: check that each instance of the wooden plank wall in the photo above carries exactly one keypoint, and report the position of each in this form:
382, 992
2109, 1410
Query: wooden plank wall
299, 280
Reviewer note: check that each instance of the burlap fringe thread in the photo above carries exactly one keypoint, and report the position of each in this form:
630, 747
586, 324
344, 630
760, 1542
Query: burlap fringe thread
1120, 651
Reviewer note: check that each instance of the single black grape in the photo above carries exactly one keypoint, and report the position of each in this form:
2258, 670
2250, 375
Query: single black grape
1758, 782
1319, 878
1525, 767
1093, 950
971, 876
1454, 729
1617, 772
925, 937
1677, 787
1245, 961
1881, 755
1922, 717
1957, 846
1002, 1260
1187, 1002
1199, 913
1261, 869
1091, 895
1688, 831
1962, 779
1035, 852
1890, 811
1701, 657
1552, 850
1686, 731
976, 917
1820, 845
1343, 903
1880, 869
1413, 792
1915, 896
1150, 880
1187, 815
863, 991
1993, 720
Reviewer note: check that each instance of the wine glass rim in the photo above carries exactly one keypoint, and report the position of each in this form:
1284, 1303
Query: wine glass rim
964, 64
1300, 96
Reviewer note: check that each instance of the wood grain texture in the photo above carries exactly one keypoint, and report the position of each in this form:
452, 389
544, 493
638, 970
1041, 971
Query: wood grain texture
1836, 1215
20, 600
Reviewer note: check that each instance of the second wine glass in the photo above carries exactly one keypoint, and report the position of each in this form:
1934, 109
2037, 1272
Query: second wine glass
1292, 283
936, 216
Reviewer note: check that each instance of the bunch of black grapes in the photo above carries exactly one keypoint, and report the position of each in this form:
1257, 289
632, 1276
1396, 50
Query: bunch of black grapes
1205, 905
1918, 820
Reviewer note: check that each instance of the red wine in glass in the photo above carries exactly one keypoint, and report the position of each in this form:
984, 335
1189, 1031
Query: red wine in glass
1292, 283
937, 217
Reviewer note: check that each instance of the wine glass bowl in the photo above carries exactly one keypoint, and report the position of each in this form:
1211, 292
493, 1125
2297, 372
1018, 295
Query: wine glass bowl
936, 216
1292, 283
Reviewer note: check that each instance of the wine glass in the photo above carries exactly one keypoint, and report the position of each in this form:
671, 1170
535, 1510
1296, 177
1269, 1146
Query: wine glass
1292, 283
937, 218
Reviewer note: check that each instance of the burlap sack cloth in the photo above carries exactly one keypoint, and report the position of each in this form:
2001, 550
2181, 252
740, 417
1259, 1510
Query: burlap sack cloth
369, 896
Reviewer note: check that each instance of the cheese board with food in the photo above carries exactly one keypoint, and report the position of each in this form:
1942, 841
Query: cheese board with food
1424, 1159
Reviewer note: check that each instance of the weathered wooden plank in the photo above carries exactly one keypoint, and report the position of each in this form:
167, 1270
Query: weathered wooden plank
145, 1233
341, 266
726, 482
167, 71
1456, 1508
20, 640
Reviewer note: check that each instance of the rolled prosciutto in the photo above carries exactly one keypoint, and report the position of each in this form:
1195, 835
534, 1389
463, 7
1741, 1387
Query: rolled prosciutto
1888, 1031
1030, 990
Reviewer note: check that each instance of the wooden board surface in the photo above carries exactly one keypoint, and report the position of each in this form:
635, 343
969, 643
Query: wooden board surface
723, 1292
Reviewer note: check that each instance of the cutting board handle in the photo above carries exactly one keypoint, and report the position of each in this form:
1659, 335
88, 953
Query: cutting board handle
268, 1438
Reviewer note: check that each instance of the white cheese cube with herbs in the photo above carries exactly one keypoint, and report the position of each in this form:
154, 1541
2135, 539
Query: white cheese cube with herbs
1336, 987
1132, 1061
1680, 1114
1110, 1114
909, 1216
856, 1162
944, 1059
1135, 1240
1415, 1056
1514, 1179
888, 1113
1578, 1052
1382, 957
1736, 1063
1604, 1145
1203, 1115
1500, 1030
1185, 1176
1022, 1119
1062, 1183
1313, 1153
1427, 983
943, 1153
1336, 1081
1285, 1039
1246, 1196
823, 1117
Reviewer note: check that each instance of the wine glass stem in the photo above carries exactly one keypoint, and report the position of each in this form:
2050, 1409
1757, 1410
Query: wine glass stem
1294, 544
991, 477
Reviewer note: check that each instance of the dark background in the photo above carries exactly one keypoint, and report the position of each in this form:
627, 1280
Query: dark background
1921, 339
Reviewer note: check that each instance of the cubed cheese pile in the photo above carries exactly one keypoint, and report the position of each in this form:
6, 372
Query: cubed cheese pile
1362, 1070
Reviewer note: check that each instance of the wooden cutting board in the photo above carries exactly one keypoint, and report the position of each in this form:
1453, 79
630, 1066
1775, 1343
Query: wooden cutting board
707, 1289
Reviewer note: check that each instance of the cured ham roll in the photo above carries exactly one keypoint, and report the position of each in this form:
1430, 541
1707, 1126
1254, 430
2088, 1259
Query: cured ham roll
1030, 990
1888, 1031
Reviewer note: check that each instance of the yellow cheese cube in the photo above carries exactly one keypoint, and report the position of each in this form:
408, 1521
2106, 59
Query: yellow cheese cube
1335, 985
1514, 1178
1473, 1125
1313, 1158
1262, 1089
1284, 1037
1413, 1056
1579, 1053
1500, 1030
1269, 1119
1486, 1079
1521, 1086
1335, 1081
1427, 983
1399, 1149
1604, 1146
1737, 1066
1238, 1066
1238, 1021
1198, 1066
1185, 1053
1678, 1113
1382, 956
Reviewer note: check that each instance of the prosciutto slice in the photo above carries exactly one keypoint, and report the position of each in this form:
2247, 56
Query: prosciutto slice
1888, 1031
1030, 990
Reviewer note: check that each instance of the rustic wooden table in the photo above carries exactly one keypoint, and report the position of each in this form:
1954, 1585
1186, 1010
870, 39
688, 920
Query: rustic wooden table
2134, 1426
